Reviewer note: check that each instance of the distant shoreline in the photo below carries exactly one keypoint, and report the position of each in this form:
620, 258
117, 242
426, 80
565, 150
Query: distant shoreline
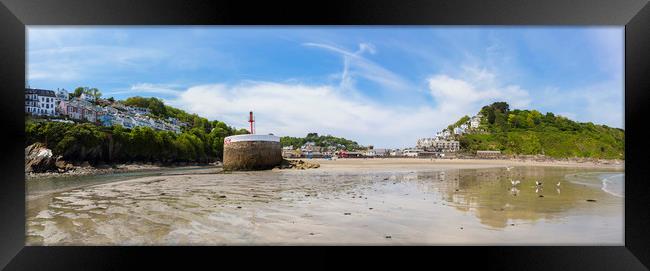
392, 162
376, 162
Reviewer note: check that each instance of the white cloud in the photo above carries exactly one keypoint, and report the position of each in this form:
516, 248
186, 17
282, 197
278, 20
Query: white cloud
457, 97
295, 110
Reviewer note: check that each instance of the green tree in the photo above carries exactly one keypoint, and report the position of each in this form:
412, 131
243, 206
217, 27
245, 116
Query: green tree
78, 91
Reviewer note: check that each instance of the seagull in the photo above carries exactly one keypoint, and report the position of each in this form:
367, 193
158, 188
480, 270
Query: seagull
514, 191
509, 168
558, 184
514, 183
538, 183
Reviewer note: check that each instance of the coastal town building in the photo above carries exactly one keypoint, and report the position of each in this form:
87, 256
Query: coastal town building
447, 145
40, 102
444, 134
429, 154
78, 110
475, 121
350, 154
411, 152
436, 144
61, 95
308, 147
87, 97
425, 142
381, 152
138, 110
395, 152
57, 104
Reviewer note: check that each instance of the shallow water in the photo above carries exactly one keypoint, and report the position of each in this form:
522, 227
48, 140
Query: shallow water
436, 206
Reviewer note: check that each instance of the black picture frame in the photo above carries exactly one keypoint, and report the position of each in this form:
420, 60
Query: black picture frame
634, 15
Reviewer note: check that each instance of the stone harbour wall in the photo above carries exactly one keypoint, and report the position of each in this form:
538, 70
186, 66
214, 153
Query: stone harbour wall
251, 155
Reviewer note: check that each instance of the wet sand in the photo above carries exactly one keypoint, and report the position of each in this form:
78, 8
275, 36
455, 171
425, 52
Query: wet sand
346, 201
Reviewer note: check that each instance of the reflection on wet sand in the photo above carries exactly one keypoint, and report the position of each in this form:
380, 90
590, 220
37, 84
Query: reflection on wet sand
458, 206
491, 196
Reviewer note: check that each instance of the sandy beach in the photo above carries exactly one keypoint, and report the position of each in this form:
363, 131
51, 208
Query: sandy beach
345, 201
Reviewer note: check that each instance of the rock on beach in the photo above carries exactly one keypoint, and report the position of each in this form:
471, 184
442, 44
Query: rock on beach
297, 164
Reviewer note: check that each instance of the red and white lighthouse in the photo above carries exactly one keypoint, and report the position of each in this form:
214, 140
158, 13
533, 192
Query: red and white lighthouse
252, 122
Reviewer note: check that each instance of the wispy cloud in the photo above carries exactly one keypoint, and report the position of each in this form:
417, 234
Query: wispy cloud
354, 64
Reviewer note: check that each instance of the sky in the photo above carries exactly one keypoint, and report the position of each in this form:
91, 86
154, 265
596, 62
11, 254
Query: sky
380, 86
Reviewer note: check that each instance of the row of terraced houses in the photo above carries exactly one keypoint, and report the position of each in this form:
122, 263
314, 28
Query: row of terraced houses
50, 103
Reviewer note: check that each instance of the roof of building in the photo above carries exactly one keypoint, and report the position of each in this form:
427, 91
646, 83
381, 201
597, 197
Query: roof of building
40, 92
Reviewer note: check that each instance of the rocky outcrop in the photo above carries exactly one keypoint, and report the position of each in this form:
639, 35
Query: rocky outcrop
297, 164
38, 158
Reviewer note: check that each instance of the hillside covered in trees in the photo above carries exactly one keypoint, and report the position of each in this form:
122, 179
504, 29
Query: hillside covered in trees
530, 132
201, 141
321, 141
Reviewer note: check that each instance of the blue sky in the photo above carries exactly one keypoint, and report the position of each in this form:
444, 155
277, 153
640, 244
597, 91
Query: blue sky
384, 86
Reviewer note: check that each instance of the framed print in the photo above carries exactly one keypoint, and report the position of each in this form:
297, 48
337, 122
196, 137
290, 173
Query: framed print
503, 131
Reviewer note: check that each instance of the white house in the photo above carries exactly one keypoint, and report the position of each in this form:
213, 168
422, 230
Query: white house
370, 153
138, 110
475, 121
425, 143
123, 121
411, 152
381, 152
62, 94
87, 97
40, 102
